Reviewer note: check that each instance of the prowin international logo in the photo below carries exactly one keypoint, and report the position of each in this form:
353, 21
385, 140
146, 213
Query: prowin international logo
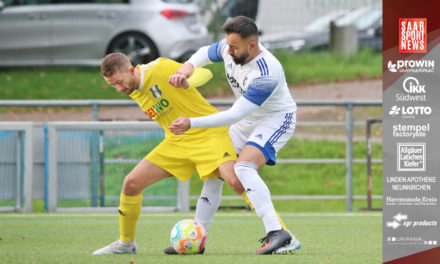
411, 66
415, 92
410, 111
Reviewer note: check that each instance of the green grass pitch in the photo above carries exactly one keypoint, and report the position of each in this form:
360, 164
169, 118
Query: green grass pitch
71, 238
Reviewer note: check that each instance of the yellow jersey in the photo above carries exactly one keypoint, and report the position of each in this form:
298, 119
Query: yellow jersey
163, 102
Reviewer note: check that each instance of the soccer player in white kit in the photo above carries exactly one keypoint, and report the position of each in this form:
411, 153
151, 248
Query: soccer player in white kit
261, 120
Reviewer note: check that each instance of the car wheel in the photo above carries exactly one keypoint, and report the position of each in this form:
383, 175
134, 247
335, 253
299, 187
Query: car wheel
139, 48
186, 56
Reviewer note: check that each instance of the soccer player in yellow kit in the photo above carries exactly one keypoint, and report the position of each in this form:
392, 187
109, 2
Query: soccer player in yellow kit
209, 151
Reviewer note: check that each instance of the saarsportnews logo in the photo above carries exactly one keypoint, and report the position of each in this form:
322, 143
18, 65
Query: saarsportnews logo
410, 111
414, 91
411, 66
412, 35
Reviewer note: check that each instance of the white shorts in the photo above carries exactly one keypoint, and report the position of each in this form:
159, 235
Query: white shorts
269, 134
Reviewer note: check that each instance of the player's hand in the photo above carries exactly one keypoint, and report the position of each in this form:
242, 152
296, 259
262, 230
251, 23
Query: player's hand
180, 125
179, 80
186, 69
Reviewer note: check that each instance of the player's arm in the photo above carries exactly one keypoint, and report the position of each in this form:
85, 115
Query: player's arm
204, 56
258, 92
197, 79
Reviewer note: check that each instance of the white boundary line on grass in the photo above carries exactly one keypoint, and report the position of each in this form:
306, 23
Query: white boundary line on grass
174, 214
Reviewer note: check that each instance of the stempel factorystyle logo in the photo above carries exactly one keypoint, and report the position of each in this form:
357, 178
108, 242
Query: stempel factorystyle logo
411, 131
412, 35
411, 66
414, 91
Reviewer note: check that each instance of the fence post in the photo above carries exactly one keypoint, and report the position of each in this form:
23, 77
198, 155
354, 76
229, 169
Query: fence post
370, 122
95, 158
349, 157
102, 164
19, 158
95, 112
28, 170
52, 190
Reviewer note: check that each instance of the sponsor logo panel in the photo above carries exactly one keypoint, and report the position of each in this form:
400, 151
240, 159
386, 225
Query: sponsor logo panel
412, 35
411, 156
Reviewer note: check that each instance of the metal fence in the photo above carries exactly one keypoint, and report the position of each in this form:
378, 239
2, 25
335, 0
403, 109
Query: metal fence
19, 158
56, 158
349, 123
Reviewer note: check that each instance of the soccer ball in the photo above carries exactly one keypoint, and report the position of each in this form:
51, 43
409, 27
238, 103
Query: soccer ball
188, 236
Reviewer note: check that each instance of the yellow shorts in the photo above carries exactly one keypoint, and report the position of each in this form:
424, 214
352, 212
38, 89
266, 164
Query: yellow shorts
203, 152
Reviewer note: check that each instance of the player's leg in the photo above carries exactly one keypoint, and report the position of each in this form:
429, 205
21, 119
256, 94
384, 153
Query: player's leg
261, 148
226, 171
246, 168
214, 156
143, 175
209, 201
207, 205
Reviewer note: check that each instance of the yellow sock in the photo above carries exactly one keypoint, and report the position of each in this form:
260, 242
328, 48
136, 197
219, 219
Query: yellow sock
129, 211
281, 222
246, 199
250, 205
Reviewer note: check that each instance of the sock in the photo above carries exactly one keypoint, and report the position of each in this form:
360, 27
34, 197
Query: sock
129, 211
258, 194
246, 199
209, 201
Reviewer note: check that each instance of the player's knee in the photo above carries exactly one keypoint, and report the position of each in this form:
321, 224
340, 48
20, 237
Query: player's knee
244, 168
130, 187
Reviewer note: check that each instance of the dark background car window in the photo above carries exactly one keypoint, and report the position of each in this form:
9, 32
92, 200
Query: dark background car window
25, 2
88, 1
177, 1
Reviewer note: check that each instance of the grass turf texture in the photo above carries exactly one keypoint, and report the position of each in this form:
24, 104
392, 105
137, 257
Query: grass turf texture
71, 238
87, 83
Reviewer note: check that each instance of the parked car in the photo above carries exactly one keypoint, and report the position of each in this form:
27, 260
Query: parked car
82, 32
367, 20
314, 35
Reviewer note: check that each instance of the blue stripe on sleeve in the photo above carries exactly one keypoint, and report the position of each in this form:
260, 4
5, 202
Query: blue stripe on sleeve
260, 89
259, 66
265, 66
264, 70
214, 51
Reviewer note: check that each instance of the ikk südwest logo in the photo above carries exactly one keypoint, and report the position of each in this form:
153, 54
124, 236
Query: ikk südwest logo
412, 35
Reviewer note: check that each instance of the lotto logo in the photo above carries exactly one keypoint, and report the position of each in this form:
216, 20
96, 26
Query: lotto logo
410, 111
412, 35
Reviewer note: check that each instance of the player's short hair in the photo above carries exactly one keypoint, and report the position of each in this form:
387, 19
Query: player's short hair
114, 62
244, 26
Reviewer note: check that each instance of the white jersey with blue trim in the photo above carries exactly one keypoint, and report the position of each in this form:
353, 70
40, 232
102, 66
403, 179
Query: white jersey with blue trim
261, 80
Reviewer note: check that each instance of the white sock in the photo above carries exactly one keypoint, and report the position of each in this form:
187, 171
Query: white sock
258, 194
209, 201
126, 243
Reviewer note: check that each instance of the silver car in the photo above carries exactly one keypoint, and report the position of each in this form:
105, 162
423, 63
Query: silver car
81, 32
